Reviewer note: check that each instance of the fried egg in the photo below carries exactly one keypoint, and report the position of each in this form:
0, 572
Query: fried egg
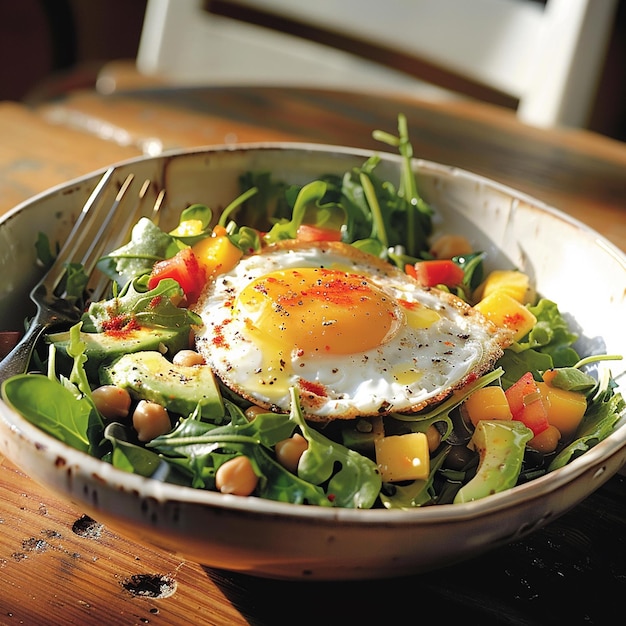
355, 335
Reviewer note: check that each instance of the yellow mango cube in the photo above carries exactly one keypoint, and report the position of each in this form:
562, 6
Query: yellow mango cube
506, 312
487, 403
515, 283
403, 457
217, 254
565, 408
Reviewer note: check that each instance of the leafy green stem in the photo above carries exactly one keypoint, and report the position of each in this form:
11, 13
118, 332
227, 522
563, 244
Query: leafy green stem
237, 202
377, 217
597, 357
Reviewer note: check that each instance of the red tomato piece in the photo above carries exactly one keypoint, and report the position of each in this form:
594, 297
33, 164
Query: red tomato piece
526, 404
184, 268
437, 272
309, 232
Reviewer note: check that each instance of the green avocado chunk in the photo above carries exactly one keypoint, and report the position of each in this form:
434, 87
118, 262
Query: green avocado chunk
181, 389
500, 445
105, 347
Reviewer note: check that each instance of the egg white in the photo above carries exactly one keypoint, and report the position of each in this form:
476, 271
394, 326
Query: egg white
435, 343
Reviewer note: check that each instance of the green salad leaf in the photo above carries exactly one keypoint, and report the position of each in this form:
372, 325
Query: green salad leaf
548, 345
135, 305
52, 407
148, 244
351, 480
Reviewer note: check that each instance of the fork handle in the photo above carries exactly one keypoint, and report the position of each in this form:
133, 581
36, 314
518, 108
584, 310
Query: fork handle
16, 362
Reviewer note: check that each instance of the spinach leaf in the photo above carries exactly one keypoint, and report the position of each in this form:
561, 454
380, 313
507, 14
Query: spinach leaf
130, 457
48, 404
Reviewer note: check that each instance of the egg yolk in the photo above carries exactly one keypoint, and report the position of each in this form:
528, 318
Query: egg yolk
319, 311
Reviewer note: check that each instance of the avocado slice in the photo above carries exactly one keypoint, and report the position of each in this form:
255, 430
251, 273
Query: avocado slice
500, 445
105, 347
148, 375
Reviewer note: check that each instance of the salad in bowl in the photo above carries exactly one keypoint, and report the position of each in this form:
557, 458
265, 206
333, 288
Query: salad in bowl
324, 342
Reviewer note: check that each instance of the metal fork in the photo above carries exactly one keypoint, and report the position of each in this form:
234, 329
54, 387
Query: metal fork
94, 232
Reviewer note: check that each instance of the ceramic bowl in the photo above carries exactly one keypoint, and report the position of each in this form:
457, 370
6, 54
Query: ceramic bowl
568, 262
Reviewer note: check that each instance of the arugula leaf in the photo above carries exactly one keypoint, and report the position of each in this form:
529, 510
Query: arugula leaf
516, 364
377, 211
76, 350
74, 284
418, 214
151, 308
310, 207
200, 448
148, 244
441, 412
350, 479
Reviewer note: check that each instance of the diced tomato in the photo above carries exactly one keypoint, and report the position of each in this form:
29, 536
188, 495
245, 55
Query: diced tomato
436, 272
410, 270
184, 268
526, 403
309, 232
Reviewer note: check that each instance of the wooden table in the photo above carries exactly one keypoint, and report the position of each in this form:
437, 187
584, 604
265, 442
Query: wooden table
58, 567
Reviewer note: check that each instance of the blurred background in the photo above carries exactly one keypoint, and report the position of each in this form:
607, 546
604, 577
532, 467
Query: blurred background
50, 47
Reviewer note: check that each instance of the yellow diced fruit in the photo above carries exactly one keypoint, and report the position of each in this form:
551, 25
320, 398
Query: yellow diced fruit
506, 312
217, 254
515, 283
546, 441
403, 457
565, 408
487, 403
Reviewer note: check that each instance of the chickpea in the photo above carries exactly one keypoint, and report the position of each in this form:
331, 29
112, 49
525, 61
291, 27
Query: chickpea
252, 411
289, 451
449, 246
112, 402
236, 476
546, 441
188, 358
150, 420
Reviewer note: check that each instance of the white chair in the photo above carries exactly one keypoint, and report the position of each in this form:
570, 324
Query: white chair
541, 58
